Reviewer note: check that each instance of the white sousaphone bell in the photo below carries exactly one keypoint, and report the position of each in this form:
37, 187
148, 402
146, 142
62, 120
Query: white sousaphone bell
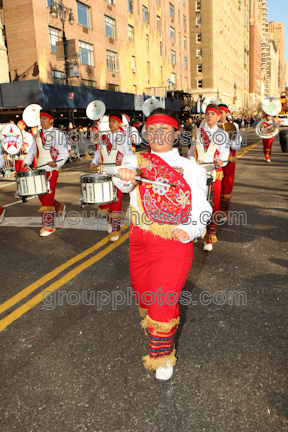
208, 101
31, 115
272, 107
150, 105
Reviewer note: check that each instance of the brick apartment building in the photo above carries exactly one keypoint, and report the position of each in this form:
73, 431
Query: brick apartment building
124, 45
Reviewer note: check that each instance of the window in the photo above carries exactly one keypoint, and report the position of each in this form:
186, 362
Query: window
148, 72
173, 78
161, 74
185, 63
199, 69
184, 3
186, 83
199, 84
113, 87
198, 6
111, 2
48, 2
171, 11
179, 39
198, 38
110, 28
145, 14
160, 46
130, 6
147, 42
54, 35
198, 22
173, 57
58, 77
88, 83
131, 34
133, 62
112, 61
172, 32
158, 2
184, 22
185, 42
158, 24
134, 89
178, 16
199, 53
83, 14
86, 53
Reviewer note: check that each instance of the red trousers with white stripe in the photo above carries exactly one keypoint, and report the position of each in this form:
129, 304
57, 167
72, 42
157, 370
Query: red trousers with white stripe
210, 236
114, 208
49, 204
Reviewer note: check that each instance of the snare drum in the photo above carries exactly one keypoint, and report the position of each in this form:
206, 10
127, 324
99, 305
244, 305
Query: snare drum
31, 183
97, 189
108, 168
210, 192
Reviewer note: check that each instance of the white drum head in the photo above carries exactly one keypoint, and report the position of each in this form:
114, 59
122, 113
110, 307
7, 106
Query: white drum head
149, 105
272, 106
31, 115
95, 110
11, 138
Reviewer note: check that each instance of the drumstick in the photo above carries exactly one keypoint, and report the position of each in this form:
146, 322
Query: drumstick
144, 180
209, 163
40, 166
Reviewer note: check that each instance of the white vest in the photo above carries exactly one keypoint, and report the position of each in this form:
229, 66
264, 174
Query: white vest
44, 153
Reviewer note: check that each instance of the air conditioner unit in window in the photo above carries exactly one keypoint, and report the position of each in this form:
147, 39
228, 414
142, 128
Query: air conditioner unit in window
134, 70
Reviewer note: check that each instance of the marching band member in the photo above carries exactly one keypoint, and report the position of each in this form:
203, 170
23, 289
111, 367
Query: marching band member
2, 161
205, 137
267, 126
113, 153
48, 147
228, 170
168, 218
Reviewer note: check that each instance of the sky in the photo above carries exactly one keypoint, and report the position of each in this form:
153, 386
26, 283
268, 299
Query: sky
278, 12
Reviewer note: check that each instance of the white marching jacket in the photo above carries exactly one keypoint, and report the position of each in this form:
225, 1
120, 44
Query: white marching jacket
194, 175
124, 147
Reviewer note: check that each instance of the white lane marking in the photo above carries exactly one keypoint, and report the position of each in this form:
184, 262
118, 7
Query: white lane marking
27, 222
7, 184
18, 202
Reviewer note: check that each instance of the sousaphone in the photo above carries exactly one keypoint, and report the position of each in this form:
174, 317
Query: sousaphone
208, 101
272, 107
31, 115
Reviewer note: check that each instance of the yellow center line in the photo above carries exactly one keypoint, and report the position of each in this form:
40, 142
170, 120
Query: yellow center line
248, 149
28, 290
53, 287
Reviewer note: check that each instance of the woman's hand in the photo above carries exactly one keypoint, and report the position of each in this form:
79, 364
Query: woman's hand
218, 163
179, 234
127, 174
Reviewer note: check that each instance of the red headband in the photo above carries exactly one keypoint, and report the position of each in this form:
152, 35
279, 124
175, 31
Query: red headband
22, 121
44, 114
213, 109
162, 118
224, 109
115, 118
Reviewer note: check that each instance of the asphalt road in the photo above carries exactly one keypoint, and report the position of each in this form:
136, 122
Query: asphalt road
78, 367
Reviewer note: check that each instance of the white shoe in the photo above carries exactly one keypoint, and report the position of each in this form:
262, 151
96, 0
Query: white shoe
115, 237
109, 229
208, 247
268, 160
164, 374
2, 213
45, 232
62, 215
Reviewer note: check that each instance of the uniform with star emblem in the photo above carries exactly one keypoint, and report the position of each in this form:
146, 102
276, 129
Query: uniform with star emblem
49, 146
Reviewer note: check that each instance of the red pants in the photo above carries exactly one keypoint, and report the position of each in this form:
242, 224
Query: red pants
18, 165
49, 204
227, 186
158, 271
114, 208
158, 264
210, 236
267, 145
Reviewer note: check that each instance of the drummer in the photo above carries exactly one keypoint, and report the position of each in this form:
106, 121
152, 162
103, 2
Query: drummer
228, 170
220, 158
49, 148
109, 142
161, 249
26, 144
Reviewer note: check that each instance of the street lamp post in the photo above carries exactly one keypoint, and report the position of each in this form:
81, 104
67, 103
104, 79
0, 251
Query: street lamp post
59, 8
